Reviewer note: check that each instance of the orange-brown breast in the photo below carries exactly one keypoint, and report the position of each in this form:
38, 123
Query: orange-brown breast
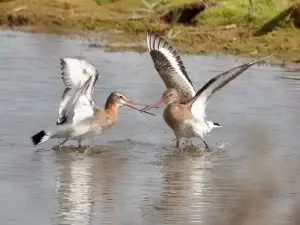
174, 114
106, 117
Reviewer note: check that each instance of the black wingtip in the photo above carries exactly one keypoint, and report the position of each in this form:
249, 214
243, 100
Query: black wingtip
61, 121
154, 34
62, 62
36, 139
217, 124
150, 32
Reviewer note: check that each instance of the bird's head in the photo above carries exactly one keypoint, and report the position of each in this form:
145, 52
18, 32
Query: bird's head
170, 96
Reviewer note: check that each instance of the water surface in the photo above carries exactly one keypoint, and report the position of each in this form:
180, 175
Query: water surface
140, 178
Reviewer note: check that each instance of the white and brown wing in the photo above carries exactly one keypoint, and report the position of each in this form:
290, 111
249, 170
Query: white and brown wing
75, 74
169, 66
199, 102
79, 106
62, 118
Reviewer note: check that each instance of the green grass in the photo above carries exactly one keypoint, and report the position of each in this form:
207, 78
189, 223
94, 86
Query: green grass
237, 12
134, 17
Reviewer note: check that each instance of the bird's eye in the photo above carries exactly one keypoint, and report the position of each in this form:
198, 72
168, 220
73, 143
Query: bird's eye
121, 97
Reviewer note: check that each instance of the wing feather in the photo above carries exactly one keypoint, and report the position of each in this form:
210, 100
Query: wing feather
79, 105
76, 71
200, 100
169, 66
64, 105
75, 74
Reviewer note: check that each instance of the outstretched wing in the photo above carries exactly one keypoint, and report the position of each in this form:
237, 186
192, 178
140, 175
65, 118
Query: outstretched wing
75, 73
199, 102
64, 105
169, 66
79, 106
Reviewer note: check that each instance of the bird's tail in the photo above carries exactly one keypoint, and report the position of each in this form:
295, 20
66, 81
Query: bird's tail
217, 125
40, 137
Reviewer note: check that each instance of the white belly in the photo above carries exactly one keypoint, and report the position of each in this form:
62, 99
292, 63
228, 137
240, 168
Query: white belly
85, 130
192, 128
79, 131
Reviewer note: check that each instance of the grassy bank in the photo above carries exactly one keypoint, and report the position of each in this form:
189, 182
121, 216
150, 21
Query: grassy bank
231, 26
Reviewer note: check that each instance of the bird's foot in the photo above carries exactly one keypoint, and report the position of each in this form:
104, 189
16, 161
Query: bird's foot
88, 150
59, 146
179, 148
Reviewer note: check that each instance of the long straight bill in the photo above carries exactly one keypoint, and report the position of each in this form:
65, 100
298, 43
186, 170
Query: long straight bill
155, 105
129, 102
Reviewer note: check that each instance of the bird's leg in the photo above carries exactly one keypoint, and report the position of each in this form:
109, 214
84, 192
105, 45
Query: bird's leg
60, 144
177, 141
206, 145
79, 143
86, 150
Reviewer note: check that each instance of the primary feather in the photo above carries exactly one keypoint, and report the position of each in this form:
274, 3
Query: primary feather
169, 66
76, 71
200, 100
75, 74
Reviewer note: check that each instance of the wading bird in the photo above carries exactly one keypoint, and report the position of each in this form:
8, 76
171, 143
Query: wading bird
78, 117
185, 109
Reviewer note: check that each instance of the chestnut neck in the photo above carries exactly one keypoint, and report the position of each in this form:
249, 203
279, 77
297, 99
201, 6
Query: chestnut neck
111, 105
174, 101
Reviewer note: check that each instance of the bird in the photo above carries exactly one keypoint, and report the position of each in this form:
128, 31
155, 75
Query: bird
78, 116
74, 73
185, 109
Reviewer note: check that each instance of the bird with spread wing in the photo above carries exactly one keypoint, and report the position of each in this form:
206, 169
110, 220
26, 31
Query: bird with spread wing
185, 108
78, 116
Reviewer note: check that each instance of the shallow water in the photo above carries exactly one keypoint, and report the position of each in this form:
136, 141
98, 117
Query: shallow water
139, 177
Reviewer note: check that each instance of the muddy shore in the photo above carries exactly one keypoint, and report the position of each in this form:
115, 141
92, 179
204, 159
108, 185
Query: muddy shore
226, 28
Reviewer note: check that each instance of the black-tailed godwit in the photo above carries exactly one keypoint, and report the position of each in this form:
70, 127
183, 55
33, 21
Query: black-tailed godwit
185, 109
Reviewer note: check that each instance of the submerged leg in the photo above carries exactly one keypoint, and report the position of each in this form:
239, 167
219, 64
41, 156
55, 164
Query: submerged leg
60, 144
177, 141
86, 150
206, 145
79, 143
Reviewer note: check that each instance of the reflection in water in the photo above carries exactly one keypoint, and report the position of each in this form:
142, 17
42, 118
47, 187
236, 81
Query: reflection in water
85, 180
105, 171
75, 191
200, 174
184, 176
